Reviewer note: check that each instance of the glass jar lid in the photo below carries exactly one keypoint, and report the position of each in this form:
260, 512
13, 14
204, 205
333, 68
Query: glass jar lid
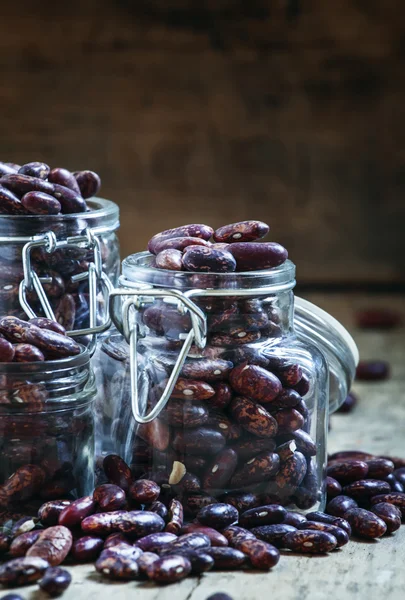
339, 348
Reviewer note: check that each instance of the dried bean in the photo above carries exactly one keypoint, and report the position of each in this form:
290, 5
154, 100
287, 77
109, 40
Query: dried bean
189, 484
199, 441
253, 417
341, 535
390, 514
23, 525
221, 470
160, 509
339, 505
170, 258
156, 434
7, 351
55, 581
310, 542
144, 491
22, 571
24, 483
255, 382
192, 389
169, 569
365, 523
7, 168
117, 471
39, 203
180, 413
5, 541
89, 183
21, 544
395, 498
261, 555
290, 475
273, 534
304, 442
188, 541
215, 537
364, 489
288, 420
53, 545
145, 560
136, 524
346, 472
44, 323
396, 486
294, 519
207, 370
119, 563
78, 510
218, 515
400, 474
243, 502
65, 178
155, 542
243, 231
379, 468
253, 257
10, 204
181, 243
102, 523
257, 469
372, 370
20, 184
333, 488
175, 519
71, 201
200, 562
350, 455
208, 260
27, 353
269, 514
321, 517
109, 497
219, 421
87, 548
116, 539
226, 558
35, 169
288, 398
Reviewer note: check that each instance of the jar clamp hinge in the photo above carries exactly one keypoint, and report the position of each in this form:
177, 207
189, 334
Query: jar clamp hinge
197, 335
97, 279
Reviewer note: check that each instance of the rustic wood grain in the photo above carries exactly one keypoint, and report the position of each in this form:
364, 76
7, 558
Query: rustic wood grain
291, 111
360, 570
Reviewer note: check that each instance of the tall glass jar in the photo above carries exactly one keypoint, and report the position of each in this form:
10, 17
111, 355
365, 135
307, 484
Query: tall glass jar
57, 251
216, 396
46, 432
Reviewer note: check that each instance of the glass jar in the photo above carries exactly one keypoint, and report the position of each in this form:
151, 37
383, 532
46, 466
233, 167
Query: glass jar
46, 432
45, 263
216, 395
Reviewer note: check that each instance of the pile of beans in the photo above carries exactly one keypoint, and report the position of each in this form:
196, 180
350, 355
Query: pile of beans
36, 189
134, 529
187, 248
40, 447
37, 340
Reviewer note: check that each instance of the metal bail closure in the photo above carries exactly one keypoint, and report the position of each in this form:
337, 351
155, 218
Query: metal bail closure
97, 279
137, 297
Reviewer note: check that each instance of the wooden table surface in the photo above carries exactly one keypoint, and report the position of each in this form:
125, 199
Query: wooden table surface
359, 571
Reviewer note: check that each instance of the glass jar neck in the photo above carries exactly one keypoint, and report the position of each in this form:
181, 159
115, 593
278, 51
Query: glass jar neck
102, 217
49, 385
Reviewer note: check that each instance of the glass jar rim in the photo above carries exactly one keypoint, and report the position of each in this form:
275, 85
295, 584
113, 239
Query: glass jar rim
137, 269
103, 217
48, 366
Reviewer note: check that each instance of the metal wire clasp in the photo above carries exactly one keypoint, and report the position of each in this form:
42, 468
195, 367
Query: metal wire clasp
135, 299
96, 277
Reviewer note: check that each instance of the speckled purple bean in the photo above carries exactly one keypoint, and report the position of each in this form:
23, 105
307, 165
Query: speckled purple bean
221, 470
49, 512
87, 548
333, 488
169, 569
89, 183
208, 260
390, 514
22, 571
243, 231
170, 258
154, 542
22, 184
259, 468
10, 204
119, 563
109, 497
21, 544
55, 581
193, 230
175, 518
365, 523
44, 323
35, 169
339, 505
341, 535
39, 203
273, 534
269, 514
207, 370
309, 541
117, 471
218, 515
321, 517
253, 257
253, 417
65, 178
226, 558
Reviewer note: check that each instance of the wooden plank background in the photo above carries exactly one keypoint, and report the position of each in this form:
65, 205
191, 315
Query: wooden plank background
287, 110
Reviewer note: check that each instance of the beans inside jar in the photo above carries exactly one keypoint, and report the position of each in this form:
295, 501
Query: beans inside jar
242, 416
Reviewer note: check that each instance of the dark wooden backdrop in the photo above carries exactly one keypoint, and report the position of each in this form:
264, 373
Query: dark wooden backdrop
291, 111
